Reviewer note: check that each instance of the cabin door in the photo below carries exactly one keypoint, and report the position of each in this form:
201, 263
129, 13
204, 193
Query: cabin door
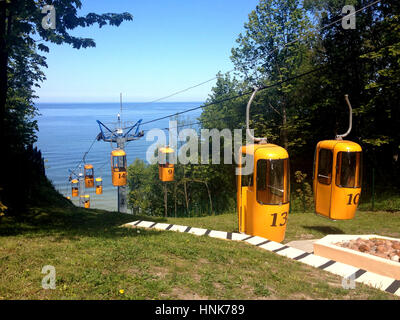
323, 182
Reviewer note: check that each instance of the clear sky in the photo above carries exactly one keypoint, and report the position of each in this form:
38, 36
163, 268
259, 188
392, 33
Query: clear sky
169, 45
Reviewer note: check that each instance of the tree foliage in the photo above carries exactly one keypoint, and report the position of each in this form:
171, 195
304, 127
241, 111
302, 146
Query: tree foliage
284, 39
22, 37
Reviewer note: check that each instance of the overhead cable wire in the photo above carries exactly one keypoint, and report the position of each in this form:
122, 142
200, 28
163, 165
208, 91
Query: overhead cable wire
183, 90
83, 160
267, 53
237, 96
229, 71
277, 83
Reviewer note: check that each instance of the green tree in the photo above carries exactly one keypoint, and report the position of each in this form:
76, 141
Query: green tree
269, 52
363, 63
21, 33
22, 36
144, 188
381, 113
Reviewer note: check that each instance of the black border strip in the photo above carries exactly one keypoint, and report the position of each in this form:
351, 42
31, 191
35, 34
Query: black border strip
326, 264
393, 287
207, 232
229, 236
135, 224
248, 238
303, 255
264, 242
169, 227
357, 274
279, 249
187, 229
153, 224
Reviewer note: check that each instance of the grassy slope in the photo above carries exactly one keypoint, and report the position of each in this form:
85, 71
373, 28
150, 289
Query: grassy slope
95, 258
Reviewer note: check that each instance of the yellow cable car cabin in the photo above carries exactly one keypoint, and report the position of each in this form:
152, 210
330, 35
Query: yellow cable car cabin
99, 186
337, 178
89, 176
118, 167
165, 164
75, 187
263, 187
86, 201
263, 195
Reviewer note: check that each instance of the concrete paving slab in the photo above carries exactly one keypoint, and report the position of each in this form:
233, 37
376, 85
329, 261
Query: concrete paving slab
305, 245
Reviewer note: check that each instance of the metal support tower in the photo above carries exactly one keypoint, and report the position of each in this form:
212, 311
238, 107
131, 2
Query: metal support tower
81, 187
122, 190
120, 136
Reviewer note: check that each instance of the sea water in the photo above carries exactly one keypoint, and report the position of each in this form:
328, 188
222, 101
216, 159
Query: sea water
66, 131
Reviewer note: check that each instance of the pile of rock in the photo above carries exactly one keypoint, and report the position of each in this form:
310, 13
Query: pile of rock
388, 249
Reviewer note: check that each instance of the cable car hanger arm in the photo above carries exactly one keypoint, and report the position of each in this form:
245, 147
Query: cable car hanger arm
341, 136
261, 140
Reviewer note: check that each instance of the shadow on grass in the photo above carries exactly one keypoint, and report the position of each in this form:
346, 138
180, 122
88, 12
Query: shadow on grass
325, 229
71, 223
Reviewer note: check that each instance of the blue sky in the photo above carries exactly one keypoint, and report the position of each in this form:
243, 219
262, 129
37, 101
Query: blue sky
169, 45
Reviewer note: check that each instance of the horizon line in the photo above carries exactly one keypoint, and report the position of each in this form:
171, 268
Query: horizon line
143, 102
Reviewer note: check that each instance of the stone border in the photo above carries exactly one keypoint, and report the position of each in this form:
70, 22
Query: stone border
326, 247
377, 281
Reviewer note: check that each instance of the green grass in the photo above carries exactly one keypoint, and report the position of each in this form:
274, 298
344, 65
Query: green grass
95, 258
384, 201
311, 226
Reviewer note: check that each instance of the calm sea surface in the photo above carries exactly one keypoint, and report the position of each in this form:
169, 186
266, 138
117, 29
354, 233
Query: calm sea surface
66, 131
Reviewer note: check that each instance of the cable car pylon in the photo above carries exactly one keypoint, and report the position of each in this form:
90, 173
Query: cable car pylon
120, 136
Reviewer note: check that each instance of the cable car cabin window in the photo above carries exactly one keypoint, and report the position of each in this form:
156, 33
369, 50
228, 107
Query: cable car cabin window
315, 158
247, 165
349, 169
247, 180
167, 159
119, 163
271, 176
246, 176
89, 173
325, 166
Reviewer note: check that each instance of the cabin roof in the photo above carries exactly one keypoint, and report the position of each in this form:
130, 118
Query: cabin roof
266, 151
